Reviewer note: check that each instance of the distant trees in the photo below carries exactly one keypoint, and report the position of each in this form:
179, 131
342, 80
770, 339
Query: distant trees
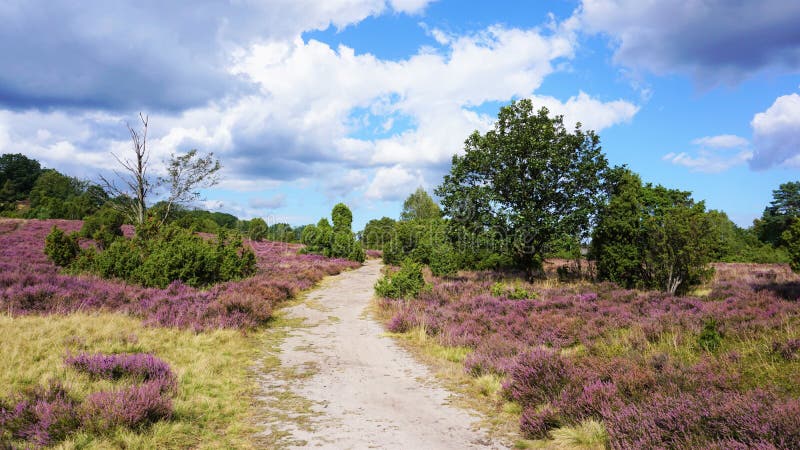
528, 180
651, 237
18, 173
420, 206
337, 241
781, 213
377, 233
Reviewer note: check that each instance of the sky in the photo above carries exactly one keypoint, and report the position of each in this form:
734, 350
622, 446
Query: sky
307, 103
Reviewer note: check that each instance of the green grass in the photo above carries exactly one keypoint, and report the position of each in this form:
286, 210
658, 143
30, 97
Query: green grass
214, 406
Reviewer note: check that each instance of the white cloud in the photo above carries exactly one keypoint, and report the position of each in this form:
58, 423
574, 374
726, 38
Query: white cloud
776, 134
394, 183
592, 113
410, 6
300, 122
715, 154
708, 161
721, 141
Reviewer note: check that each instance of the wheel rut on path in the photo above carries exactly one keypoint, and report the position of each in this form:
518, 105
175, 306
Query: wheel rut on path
362, 390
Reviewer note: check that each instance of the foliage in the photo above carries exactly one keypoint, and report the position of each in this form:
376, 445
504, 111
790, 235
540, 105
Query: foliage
529, 180
377, 233
781, 213
342, 218
174, 254
420, 206
710, 337
18, 173
103, 227
792, 239
405, 283
60, 247
30, 283
651, 237
258, 229
49, 414
58, 196
337, 241
443, 260
513, 292
208, 410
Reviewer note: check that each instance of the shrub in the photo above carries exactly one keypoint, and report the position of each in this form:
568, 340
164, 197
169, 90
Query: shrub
537, 377
60, 247
535, 423
407, 282
41, 416
443, 260
515, 292
132, 407
172, 254
104, 226
140, 366
710, 337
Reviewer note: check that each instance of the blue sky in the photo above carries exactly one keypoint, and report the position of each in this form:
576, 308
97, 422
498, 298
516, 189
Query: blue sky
311, 102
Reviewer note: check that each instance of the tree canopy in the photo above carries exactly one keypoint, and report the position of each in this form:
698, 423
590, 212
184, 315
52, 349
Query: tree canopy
651, 237
529, 180
420, 206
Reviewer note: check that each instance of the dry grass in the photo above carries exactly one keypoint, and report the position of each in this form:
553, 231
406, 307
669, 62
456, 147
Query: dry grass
214, 406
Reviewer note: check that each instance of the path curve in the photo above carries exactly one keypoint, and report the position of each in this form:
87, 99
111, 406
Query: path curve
366, 391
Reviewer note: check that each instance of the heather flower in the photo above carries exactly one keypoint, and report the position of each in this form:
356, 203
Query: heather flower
132, 407
535, 423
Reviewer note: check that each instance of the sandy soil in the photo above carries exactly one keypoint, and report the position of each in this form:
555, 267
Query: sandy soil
365, 391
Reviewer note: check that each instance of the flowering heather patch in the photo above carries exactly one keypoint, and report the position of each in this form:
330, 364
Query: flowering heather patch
374, 253
40, 417
29, 283
638, 361
46, 415
139, 366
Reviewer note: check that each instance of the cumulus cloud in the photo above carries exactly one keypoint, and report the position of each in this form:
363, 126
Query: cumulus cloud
713, 40
715, 154
394, 183
776, 134
721, 141
307, 107
149, 54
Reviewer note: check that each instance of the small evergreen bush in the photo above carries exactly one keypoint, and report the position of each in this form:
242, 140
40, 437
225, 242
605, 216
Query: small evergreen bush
407, 282
60, 247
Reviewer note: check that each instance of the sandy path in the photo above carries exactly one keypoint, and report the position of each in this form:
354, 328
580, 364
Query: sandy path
365, 391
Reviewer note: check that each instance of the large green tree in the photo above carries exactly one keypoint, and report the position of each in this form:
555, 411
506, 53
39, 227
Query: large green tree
780, 214
652, 237
18, 173
529, 179
420, 206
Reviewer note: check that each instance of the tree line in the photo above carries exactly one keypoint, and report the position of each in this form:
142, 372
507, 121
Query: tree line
530, 189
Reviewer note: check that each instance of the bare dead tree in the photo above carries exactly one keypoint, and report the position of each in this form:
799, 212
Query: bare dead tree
135, 182
186, 175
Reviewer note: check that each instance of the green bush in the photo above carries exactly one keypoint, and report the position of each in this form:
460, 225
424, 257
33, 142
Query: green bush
514, 292
104, 226
337, 241
407, 282
443, 261
710, 338
172, 254
60, 247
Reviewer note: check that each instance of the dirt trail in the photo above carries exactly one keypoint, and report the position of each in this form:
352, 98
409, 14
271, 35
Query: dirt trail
364, 390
